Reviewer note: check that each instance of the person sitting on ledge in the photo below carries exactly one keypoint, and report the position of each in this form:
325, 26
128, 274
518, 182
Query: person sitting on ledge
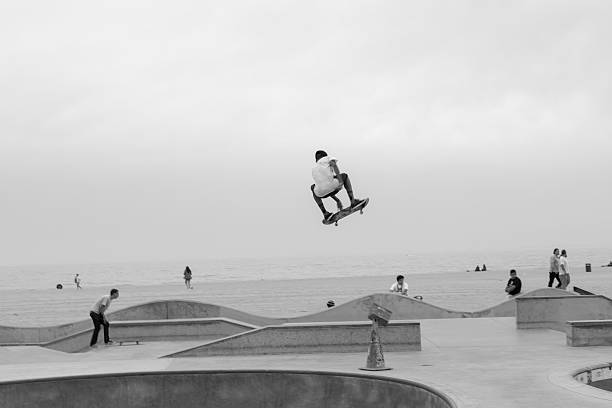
400, 286
513, 287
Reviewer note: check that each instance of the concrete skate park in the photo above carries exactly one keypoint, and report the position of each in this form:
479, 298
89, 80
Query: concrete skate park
547, 347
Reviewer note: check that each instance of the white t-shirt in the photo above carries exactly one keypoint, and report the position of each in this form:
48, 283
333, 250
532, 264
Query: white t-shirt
323, 176
563, 266
397, 288
104, 300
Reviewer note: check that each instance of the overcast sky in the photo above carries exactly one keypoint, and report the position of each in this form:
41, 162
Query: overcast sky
161, 130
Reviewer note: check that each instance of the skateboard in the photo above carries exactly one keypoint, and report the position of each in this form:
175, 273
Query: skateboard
136, 342
346, 212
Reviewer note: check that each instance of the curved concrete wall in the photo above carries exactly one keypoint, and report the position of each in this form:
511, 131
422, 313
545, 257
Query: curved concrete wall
402, 307
407, 308
215, 389
159, 310
599, 376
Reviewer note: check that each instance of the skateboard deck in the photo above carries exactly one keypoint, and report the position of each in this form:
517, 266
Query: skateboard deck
346, 212
136, 342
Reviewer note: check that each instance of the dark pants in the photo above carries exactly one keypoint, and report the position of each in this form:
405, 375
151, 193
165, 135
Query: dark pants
551, 278
345, 182
98, 320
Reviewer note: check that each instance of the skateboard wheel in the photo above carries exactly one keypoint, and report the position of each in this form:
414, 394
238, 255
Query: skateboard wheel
336, 223
361, 212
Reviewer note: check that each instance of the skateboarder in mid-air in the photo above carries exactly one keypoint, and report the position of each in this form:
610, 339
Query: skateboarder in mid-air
329, 182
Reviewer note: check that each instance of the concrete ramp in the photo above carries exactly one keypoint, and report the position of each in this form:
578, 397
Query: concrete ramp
159, 310
404, 307
154, 330
338, 337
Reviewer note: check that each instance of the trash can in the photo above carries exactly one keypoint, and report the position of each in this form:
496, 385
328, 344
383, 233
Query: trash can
588, 267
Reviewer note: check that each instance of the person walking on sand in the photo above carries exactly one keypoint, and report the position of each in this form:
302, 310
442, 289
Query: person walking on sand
187, 276
553, 272
77, 281
329, 182
98, 316
564, 270
400, 286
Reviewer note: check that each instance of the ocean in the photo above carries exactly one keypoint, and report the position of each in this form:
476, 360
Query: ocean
287, 268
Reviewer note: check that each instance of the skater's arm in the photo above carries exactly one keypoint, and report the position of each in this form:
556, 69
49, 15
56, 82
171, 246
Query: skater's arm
103, 308
333, 164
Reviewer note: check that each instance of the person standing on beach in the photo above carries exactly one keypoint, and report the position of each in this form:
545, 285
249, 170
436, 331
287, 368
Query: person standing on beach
98, 316
77, 280
400, 286
564, 270
187, 276
553, 272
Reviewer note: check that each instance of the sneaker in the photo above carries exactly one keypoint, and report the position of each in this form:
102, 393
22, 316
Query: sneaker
327, 216
356, 202
109, 343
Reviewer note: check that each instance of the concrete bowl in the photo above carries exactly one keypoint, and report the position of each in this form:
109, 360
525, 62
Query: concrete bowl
222, 389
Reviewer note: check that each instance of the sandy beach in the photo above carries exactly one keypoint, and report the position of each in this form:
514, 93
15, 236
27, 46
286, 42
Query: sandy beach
466, 291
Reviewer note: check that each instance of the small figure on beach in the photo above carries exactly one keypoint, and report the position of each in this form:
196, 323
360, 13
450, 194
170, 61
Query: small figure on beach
484, 268
564, 276
399, 286
513, 287
477, 268
554, 269
187, 276
329, 182
98, 316
59, 286
77, 281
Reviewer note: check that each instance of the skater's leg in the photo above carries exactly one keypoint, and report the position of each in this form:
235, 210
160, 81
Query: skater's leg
96, 321
338, 202
106, 334
346, 182
319, 201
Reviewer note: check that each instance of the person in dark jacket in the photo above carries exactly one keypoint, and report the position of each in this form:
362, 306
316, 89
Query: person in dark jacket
513, 287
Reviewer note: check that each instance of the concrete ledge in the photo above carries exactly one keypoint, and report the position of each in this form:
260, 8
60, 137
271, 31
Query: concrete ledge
294, 338
580, 333
552, 312
212, 389
155, 330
